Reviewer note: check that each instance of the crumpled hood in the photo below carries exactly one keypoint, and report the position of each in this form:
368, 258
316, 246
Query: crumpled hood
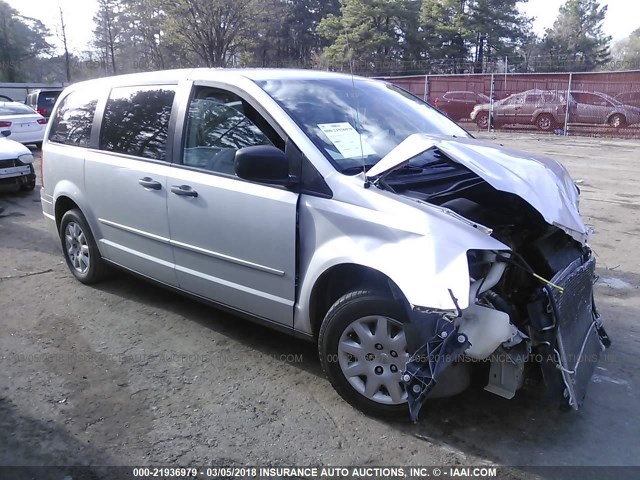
543, 182
10, 149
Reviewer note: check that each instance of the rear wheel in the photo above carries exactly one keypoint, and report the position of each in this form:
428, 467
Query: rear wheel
545, 122
363, 351
80, 250
617, 120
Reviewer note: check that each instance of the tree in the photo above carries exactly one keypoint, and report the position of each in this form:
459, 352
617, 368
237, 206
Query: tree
627, 51
144, 45
576, 40
215, 31
288, 35
467, 31
107, 32
499, 28
372, 31
63, 37
21, 38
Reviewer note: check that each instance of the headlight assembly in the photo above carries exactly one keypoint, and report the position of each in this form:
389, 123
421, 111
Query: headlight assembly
26, 158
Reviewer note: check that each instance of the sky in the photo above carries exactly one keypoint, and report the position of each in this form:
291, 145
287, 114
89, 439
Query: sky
623, 17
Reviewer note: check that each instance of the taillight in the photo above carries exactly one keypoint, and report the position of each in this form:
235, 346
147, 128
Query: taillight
42, 111
4, 124
42, 121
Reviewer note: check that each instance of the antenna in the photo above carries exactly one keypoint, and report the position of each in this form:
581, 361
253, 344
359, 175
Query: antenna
355, 96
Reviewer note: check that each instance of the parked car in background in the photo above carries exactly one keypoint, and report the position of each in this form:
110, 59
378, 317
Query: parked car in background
598, 108
42, 101
26, 125
629, 98
404, 248
16, 163
458, 105
543, 108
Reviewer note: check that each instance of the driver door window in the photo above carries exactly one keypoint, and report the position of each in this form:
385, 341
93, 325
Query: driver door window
219, 123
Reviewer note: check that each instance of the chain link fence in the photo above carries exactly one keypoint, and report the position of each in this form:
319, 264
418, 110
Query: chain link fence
589, 104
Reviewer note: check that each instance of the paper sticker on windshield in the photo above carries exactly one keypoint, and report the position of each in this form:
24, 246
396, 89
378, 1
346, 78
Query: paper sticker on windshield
346, 139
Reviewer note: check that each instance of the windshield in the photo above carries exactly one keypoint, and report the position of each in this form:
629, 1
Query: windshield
356, 122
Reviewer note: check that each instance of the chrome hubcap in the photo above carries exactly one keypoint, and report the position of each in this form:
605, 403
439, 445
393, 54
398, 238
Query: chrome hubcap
545, 123
372, 353
77, 247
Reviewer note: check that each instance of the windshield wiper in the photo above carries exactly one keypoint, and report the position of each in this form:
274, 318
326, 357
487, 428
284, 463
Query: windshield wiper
357, 168
407, 169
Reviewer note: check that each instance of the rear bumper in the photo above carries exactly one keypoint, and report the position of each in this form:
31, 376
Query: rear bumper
48, 211
36, 136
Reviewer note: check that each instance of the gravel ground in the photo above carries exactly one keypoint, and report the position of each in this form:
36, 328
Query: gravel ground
126, 373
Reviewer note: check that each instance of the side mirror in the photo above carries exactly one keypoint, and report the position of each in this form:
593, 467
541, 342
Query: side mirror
5, 133
263, 164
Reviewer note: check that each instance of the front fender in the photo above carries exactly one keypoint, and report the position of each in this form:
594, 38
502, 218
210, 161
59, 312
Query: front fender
423, 252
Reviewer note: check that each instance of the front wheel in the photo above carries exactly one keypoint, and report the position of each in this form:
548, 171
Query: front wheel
363, 351
80, 249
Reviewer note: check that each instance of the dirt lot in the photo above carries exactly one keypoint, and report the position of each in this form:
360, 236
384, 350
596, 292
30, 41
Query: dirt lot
127, 373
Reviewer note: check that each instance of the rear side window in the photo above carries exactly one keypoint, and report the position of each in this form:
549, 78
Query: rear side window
136, 121
74, 119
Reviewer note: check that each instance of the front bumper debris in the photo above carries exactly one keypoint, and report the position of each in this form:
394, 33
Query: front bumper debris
437, 344
569, 330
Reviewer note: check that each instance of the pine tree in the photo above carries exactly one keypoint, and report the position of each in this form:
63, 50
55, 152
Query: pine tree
576, 40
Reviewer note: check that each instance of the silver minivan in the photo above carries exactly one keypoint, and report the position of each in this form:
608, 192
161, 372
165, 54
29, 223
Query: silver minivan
339, 209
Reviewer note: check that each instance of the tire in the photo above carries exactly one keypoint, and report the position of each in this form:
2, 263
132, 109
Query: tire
29, 186
617, 120
30, 183
79, 248
377, 358
545, 122
482, 120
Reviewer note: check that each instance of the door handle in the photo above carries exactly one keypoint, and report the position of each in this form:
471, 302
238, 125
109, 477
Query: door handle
148, 182
184, 190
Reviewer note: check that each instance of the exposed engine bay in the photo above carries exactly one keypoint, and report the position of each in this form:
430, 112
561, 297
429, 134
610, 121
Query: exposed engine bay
531, 312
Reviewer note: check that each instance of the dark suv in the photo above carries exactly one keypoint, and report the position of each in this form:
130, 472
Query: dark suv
458, 105
42, 101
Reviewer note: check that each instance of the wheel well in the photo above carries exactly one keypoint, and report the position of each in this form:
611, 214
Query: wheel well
545, 114
341, 279
63, 205
624, 119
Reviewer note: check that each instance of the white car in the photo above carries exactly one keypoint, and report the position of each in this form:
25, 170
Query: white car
25, 124
16, 163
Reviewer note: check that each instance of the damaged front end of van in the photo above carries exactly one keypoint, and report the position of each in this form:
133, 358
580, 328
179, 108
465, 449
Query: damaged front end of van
530, 310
